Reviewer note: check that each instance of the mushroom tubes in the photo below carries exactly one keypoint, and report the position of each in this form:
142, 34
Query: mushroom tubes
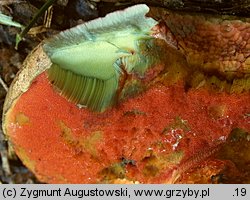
116, 100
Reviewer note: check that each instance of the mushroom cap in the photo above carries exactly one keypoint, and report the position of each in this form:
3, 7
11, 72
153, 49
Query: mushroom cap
35, 63
154, 137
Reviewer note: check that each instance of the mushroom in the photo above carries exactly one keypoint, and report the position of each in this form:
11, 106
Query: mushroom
107, 102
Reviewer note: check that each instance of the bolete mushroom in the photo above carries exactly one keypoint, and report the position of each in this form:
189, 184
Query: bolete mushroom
107, 101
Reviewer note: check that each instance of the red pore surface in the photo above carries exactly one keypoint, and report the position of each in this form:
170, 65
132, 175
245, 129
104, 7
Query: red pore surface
146, 138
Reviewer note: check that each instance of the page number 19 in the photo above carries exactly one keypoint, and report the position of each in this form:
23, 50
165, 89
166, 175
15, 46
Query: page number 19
240, 192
